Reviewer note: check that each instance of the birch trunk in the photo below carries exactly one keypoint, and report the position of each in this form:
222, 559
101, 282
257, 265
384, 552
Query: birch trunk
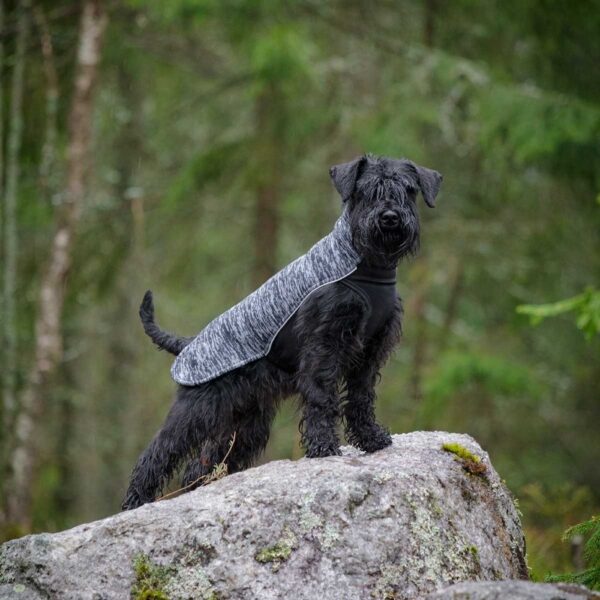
48, 342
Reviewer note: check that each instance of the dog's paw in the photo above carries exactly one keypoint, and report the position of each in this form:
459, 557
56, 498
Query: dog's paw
323, 451
132, 500
378, 441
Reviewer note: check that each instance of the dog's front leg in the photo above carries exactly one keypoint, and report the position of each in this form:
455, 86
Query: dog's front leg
362, 429
329, 327
320, 415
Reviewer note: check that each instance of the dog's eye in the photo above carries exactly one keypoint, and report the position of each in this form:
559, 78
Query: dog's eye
411, 189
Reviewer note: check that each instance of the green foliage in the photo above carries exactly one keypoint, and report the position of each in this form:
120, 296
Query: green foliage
556, 505
202, 170
460, 369
529, 124
548, 511
586, 306
281, 54
177, 11
458, 372
590, 577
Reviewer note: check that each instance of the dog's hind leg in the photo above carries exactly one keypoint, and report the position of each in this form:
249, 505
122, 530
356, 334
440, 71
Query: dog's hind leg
251, 438
199, 467
251, 430
181, 432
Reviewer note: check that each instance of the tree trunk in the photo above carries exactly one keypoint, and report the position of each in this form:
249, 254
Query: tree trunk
421, 268
268, 190
430, 8
3, 416
1, 111
48, 171
15, 134
48, 341
420, 276
456, 290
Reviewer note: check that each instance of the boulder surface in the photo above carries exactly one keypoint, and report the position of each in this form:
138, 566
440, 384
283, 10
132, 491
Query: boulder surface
399, 523
514, 590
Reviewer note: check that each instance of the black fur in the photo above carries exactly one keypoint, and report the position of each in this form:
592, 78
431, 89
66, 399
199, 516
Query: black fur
338, 364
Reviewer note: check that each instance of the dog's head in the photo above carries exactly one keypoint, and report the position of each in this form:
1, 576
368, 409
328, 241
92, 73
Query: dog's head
380, 194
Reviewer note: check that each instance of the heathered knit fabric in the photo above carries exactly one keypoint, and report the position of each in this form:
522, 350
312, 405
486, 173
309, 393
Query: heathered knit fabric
246, 331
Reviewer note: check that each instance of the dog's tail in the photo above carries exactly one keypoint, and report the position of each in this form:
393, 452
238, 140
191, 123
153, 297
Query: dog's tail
164, 340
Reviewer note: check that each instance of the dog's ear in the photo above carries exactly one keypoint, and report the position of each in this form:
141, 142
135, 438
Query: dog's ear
429, 182
344, 177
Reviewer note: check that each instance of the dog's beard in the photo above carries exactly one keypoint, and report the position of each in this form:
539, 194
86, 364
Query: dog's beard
400, 243
386, 246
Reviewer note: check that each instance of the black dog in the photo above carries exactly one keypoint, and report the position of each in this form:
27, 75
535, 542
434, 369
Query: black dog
330, 352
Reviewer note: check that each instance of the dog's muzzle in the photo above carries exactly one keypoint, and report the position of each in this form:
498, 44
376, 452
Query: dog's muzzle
389, 220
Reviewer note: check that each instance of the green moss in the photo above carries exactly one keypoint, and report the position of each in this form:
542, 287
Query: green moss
473, 554
279, 552
150, 579
461, 452
470, 462
147, 594
183, 578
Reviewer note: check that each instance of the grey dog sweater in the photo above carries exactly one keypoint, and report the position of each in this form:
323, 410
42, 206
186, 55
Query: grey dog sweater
246, 331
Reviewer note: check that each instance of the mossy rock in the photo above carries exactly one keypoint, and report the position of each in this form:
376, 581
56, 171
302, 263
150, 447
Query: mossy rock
398, 523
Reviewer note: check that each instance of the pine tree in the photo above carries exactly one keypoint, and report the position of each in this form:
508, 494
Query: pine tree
590, 577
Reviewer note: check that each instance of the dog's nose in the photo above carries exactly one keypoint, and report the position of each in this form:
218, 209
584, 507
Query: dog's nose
389, 219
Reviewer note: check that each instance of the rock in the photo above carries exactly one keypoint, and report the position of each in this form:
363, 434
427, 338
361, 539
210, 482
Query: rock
514, 590
399, 523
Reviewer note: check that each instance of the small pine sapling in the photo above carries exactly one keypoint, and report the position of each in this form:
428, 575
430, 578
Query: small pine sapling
590, 577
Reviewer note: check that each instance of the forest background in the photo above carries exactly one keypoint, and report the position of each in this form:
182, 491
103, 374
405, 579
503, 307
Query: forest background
184, 146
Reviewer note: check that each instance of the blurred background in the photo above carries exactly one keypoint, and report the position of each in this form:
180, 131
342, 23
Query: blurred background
185, 148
